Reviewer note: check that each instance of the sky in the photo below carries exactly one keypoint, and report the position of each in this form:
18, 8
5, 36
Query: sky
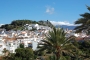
56, 11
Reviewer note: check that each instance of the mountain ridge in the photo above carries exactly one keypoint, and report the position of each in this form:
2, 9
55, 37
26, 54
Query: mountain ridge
65, 27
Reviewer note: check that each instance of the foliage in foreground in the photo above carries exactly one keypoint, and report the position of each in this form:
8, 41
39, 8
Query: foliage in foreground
57, 44
21, 54
84, 22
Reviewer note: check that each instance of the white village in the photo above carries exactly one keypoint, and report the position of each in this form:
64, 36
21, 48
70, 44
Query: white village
10, 40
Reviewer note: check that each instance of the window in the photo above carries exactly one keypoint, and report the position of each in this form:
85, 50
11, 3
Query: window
10, 45
30, 45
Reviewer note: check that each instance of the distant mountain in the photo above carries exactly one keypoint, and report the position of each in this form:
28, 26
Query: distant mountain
65, 27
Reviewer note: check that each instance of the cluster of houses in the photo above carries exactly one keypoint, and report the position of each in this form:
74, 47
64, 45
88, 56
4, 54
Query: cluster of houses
79, 36
11, 40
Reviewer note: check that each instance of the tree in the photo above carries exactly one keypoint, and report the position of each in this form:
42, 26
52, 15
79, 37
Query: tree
7, 26
21, 53
17, 24
84, 22
24, 54
85, 48
6, 54
21, 45
56, 42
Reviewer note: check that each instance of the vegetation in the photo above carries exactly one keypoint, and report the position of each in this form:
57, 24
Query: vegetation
83, 52
84, 22
24, 54
57, 47
46, 23
21, 54
5, 51
56, 43
19, 24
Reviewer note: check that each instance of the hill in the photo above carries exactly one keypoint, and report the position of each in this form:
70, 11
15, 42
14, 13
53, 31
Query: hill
19, 24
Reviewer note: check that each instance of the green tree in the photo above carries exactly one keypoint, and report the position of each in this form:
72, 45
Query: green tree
56, 42
7, 26
84, 22
21, 45
85, 48
24, 54
21, 53
17, 24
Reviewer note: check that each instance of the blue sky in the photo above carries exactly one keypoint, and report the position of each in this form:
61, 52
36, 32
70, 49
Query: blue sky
56, 11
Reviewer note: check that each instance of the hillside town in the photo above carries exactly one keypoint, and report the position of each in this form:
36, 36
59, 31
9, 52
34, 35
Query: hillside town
11, 40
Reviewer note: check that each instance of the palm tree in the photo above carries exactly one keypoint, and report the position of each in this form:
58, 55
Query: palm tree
84, 22
56, 42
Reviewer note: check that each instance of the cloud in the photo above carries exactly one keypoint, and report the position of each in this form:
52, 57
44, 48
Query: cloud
62, 23
50, 10
1, 25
